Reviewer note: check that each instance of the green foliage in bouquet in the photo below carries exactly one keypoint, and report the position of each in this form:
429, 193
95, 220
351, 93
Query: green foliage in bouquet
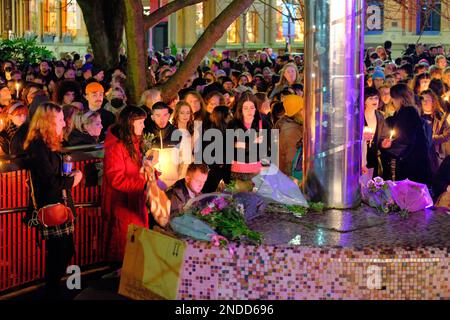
148, 140
300, 211
226, 217
236, 186
24, 50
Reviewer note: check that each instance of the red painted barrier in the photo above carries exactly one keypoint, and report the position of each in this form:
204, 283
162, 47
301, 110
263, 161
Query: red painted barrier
21, 259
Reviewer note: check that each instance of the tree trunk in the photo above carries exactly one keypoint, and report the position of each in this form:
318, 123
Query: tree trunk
104, 22
136, 53
210, 36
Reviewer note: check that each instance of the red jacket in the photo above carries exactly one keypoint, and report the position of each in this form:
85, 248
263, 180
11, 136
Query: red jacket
123, 197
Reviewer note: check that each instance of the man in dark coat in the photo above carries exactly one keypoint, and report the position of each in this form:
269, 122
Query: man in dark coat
187, 188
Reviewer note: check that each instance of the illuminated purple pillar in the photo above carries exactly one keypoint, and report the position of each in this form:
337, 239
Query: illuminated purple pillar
333, 83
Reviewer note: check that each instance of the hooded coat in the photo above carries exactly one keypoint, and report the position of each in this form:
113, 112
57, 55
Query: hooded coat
123, 196
290, 139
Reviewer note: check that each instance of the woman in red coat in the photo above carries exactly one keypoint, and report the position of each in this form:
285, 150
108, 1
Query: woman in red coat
123, 199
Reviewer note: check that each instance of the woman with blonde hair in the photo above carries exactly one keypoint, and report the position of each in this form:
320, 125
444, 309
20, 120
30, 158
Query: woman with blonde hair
51, 186
87, 129
150, 97
433, 113
289, 75
382, 53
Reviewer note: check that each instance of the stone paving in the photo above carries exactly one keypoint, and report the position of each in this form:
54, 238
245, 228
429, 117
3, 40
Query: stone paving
355, 228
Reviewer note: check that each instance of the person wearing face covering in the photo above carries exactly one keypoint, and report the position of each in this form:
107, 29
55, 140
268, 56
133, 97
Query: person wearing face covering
116, 101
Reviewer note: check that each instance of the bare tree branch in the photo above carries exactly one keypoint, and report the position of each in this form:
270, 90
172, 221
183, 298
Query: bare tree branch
155, 17
211, 35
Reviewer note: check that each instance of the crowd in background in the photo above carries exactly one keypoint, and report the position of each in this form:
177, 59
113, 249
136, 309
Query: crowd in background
73, 101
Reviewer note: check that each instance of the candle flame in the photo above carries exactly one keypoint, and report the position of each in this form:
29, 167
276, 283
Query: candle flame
392, 134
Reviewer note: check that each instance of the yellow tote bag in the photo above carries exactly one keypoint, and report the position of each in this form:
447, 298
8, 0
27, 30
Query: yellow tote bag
151, 266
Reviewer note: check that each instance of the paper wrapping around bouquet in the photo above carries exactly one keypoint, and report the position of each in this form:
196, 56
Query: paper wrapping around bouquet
152, 265
444, 201
411, 196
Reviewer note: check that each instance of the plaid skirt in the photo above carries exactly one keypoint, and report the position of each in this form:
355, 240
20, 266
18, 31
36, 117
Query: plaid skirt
64, 229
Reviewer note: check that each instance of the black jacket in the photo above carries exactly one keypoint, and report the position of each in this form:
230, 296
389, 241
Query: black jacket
46, 172
249, 142
442, 178
108, 119
78, 138
178, 195
409, 147
168, 141
373, 149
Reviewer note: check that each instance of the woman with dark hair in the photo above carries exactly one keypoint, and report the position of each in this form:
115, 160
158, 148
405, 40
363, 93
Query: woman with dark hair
67, 92
123, 198
421, 82
219, 169
375, 130
69, 112
247, 122
16, 115
197, 104
214, 99
50, 186
406, 149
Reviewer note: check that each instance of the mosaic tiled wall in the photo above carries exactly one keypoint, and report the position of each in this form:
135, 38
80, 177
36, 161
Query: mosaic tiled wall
288, 272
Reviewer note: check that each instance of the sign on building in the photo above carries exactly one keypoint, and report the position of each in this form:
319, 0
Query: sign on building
374, 16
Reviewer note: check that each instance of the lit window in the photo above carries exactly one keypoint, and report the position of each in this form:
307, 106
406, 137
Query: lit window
50, 16
199, 19
428, 16
233, 32
299, 26
34, 16
70, 19
286, 26
252, 26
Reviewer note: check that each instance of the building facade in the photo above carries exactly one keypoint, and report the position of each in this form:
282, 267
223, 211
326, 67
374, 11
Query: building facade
59, 24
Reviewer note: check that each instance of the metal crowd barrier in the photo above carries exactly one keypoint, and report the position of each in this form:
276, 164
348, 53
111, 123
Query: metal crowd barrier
22, 260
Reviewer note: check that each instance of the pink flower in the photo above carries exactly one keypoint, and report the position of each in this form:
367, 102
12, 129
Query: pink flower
206, 211
215, 239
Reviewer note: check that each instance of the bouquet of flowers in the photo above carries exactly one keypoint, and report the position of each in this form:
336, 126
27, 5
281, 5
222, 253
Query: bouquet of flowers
377, 194
226, 217
148, 139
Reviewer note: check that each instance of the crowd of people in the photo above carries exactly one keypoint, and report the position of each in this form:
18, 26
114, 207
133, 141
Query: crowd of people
72, 101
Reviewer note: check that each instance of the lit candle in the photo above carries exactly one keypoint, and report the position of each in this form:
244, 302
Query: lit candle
17, 90
368, 130
392, 134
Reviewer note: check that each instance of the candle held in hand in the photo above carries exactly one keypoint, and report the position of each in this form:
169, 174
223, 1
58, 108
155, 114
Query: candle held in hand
392, 134
17, 90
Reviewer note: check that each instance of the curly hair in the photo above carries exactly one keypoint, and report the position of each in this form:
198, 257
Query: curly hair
43, 126
68, 86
